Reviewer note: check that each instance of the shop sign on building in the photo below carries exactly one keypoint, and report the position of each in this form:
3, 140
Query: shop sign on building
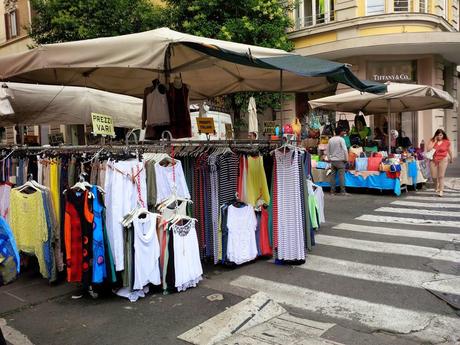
397, 71
102, 124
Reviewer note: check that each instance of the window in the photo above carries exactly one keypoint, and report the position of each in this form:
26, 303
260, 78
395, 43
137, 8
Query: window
423, 6
375, 7
312, 12
401, 5
12, 24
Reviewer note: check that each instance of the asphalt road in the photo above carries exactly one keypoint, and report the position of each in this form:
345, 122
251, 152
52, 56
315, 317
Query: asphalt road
367, 277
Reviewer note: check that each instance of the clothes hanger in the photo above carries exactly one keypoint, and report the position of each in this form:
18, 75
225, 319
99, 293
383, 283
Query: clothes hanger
29, 184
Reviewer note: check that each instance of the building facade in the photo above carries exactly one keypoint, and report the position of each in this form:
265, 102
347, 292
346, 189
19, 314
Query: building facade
410, 41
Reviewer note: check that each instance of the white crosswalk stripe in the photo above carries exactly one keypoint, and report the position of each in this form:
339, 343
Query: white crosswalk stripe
389, 248
374, 315
423, 325
450, 190
433, 198
433, 193
405, 210
424, 204
382, 274
404, 220
429, 235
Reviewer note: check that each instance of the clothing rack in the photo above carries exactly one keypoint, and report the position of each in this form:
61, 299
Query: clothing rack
157, 144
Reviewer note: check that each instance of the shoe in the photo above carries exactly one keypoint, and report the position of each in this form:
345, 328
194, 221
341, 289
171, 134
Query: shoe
345, 194
328, 172
440, 194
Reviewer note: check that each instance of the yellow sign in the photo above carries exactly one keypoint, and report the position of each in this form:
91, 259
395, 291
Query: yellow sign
102, 124
228, 131
269, 127
205, 125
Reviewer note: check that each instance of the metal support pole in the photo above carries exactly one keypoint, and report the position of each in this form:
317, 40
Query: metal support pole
389, 125
281, 100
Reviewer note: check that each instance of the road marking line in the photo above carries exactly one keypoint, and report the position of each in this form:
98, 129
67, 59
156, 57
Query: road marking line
449, 190
433, 193
13, 336
248, 313
424, 204
406, 210
402, 220
382, 274
432, 198
389, 248
374, 315
431, 235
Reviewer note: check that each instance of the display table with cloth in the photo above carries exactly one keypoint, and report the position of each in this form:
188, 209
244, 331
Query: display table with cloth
364, 179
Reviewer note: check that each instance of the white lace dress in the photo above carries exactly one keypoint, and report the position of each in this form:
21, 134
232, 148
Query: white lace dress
187, 264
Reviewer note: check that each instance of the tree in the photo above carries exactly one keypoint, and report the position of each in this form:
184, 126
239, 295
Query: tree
70, 20
258, 22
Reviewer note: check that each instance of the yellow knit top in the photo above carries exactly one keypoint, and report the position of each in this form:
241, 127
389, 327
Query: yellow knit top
28, 223
256, 181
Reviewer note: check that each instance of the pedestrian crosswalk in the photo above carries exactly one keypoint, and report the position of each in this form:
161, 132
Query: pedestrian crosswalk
358, 251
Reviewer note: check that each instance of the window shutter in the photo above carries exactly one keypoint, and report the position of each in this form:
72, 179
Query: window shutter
7, 26
18, 23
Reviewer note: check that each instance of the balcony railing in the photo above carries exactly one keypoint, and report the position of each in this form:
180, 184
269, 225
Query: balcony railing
321, 18
373, 7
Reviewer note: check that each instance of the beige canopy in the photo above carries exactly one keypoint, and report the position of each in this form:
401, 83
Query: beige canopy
398, 98
67, 105
127, 64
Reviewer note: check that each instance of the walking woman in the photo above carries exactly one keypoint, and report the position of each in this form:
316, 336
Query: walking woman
438, 165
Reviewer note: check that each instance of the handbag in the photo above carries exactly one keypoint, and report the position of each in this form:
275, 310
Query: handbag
347, 141
361, 163
328, 130
309, 143
296, 126
430, 154
373, 162
322, 165
314, 133
384, 167
343, 123
357, 150
395, 168
371, 149
322, 147
355, 139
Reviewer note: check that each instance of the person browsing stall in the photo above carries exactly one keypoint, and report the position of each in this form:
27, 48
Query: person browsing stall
442, 156
338, 155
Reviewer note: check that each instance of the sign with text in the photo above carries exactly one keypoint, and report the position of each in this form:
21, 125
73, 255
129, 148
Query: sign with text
269, 127
56, 139
228, 131
102, 124
398, 71
205, 125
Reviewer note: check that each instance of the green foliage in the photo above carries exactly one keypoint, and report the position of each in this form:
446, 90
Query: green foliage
258, 22
71, 20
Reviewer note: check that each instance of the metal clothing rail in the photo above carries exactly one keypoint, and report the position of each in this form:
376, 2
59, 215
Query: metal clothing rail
151, 145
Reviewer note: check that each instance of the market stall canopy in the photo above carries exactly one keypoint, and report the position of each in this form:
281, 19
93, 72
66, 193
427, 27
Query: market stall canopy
67, 105
398, 98
127, 64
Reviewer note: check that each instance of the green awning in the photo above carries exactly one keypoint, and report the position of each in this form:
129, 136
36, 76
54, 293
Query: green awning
300, 65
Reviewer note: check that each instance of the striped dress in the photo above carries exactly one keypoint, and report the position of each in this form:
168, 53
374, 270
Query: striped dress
291, 243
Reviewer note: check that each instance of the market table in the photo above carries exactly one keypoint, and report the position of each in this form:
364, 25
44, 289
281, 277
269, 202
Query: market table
378, 181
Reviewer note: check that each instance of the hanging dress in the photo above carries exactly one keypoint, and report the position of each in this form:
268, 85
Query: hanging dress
291, 243
187, 264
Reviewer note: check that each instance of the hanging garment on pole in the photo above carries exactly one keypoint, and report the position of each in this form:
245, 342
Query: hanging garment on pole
253, 126
291, 241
